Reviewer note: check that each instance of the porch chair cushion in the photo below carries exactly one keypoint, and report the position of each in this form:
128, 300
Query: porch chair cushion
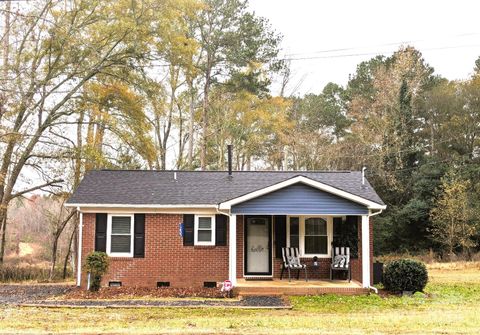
291, 258
340, 261
294, 262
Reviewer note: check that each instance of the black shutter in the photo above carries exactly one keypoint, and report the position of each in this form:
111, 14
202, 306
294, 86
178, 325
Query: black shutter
351, 232
280, 234
337, 232
221, 229
188, 234
101, 232
139, 238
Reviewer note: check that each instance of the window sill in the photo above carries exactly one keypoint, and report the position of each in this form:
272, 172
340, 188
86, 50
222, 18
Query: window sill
121, 258
204, 246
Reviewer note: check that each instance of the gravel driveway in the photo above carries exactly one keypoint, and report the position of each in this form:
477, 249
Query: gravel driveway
25, 293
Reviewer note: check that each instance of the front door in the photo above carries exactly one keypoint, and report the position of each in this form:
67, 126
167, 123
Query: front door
258, 245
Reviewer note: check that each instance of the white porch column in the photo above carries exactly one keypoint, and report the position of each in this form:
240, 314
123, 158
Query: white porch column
232, 249
365, 251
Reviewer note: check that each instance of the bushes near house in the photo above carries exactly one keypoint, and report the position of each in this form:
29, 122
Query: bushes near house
405, 275
96, 264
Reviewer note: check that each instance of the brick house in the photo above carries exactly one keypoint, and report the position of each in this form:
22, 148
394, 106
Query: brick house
200, 228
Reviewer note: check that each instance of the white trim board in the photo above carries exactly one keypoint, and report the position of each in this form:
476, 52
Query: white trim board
213, 206
307, 181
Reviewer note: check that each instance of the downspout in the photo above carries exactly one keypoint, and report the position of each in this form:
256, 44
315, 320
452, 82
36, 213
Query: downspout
370, 287
79, 254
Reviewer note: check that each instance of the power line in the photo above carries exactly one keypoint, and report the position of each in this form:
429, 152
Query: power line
377, 45
376, 53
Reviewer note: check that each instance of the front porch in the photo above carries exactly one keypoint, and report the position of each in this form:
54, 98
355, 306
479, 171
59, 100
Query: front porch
298, 287
308, 216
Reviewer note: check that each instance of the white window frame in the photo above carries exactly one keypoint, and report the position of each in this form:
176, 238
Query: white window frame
302, 218
203, 243
109, 236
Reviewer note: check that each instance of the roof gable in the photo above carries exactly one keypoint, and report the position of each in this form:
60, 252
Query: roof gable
298, 199
307, 181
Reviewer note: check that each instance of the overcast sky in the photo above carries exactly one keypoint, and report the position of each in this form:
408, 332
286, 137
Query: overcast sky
446, 32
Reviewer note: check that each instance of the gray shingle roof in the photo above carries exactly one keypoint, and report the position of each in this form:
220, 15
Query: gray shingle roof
142, 187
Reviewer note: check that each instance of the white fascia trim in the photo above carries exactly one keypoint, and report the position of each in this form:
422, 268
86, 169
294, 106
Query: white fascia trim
301, 179
140, 206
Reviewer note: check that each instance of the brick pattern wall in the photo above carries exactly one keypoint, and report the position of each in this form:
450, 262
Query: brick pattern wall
166, 259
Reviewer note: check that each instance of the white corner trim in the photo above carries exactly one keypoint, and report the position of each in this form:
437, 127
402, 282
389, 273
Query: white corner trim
232, 249
79, 254
301, 179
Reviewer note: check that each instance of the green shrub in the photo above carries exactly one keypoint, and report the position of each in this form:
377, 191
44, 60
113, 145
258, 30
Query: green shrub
405, 275
97, 264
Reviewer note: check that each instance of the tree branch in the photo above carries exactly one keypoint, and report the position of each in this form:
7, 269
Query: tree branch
50, 183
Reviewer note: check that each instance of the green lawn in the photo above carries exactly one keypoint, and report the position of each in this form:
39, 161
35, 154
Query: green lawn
452, 306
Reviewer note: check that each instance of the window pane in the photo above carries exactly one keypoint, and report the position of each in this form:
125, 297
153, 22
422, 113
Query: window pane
204, 236
315, 226
316, 244
294, 241
294, 231
121, 224
120, 243
294, 223
205, 223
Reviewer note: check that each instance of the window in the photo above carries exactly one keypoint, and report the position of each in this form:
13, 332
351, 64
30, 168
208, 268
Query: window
205, 230
295, 232
316, 236
120, 235
311, 235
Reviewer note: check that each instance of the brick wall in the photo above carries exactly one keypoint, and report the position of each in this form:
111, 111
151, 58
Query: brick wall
166, 259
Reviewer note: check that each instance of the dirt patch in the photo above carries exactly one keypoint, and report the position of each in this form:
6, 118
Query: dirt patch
143, 293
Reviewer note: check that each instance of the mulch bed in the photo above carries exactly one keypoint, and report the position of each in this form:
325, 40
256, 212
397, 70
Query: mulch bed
248, 302
142, 292
61, 295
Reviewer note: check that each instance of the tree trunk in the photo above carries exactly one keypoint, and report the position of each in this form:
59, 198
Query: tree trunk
190, 127
3, 220
206, 90
54, 255
69, 251
6, 52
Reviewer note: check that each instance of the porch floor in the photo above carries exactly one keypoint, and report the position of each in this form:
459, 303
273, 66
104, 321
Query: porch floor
298, 287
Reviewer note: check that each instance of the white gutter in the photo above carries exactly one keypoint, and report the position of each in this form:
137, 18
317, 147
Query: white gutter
79, 254
140, 206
